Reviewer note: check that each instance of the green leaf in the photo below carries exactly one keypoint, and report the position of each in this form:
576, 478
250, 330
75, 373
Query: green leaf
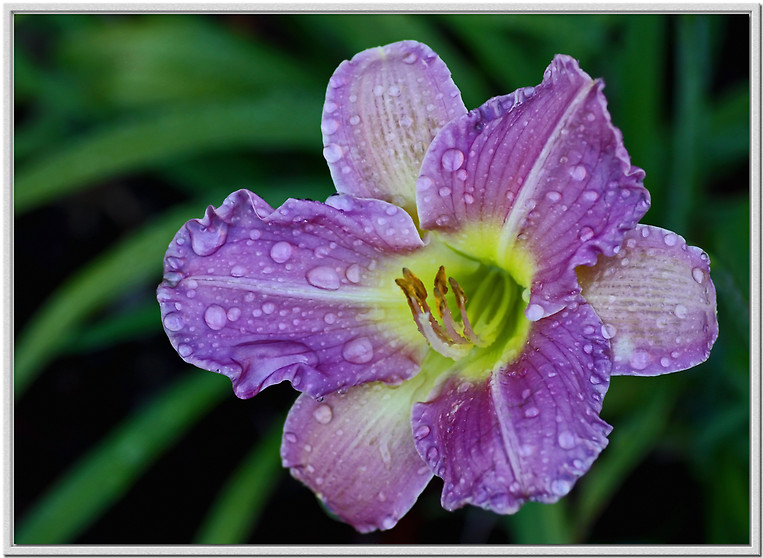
280, 121
136, 260
107, 471
243, 498
538, 523
162, 59
629, 444
728, 141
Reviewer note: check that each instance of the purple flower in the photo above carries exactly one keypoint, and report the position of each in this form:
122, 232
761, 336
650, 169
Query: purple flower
458, 308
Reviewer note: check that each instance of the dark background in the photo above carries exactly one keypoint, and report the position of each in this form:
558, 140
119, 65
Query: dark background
128, 125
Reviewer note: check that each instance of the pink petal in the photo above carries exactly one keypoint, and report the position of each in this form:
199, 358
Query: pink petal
382, 110
355, 451
541, 171
657, 301
531, 429
265, 295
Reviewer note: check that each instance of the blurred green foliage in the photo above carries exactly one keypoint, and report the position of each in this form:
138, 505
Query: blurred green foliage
198, 106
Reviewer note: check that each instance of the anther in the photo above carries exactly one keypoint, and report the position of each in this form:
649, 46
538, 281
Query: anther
444, 338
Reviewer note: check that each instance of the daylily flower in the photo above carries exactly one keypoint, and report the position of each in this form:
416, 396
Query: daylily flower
458, 307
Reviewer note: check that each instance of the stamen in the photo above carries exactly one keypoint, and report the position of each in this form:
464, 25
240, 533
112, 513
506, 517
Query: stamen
444, 338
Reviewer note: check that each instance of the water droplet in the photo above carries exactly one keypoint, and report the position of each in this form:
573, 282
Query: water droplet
586, 233
639, 359
534, 312
280, 252
588, 348
330, 107
410, 58
421, 432
608, 331
329, 318
590, 195
205, 241
561, 487
531, 412
215, 317
444, 192
184, 350
388, 522
233, 314
323, 277
329, 126
268, 308
665, 362
432, 455
174, 321
553, 196
452, 159
332, 153
424, 182
378, 90
578, 172
566, 440
358, 351
680, 311
670, 239
323, 413
354, 119
394, 90
405, 122
290, 437
698, 275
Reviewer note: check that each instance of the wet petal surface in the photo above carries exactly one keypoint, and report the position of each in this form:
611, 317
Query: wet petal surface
382, 110
537, 181
298, 293
355, 451
657, 301
530, 430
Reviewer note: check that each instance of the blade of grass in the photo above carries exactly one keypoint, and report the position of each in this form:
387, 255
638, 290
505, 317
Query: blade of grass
104, 474
244, 496
135, 260
689, 103
279, 121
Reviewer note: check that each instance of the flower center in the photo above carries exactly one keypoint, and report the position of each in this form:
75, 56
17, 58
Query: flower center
486, 330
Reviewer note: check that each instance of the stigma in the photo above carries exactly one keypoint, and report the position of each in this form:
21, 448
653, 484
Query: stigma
443, 333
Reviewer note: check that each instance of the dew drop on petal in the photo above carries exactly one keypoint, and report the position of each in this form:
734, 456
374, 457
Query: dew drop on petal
639, 359
432, 455
452, 159
205, 241
233, 314
444, 192
329, 318
358, 351
665, 362
553, 196
680, 311
353, 273
174, 321
332, 153
590, 195
290, 437
329, 126
561, 487
281, 252
410, 58
698, 275
421, 432
424, 182
268, 308
394, 90
388, 522
378, 90
566, 440
323, 277
586, 233
578, 172
608, 331
670, 239
215, 317
534, 312
323, 413
531, 412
